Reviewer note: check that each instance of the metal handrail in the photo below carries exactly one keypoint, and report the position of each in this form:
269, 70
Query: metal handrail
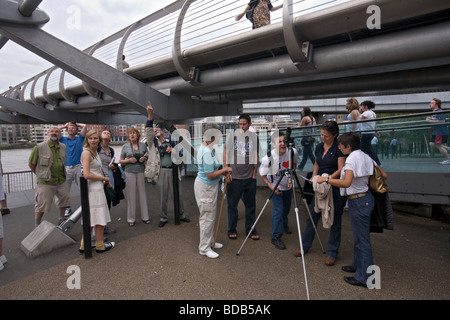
18, 181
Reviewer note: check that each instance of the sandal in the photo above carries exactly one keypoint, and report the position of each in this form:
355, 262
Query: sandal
232, 236
131, 224
146, 221
254, 237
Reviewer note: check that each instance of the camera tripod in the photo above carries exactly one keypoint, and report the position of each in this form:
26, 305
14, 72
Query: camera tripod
289, 173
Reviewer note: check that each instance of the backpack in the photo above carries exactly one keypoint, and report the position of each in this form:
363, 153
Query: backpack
249, 15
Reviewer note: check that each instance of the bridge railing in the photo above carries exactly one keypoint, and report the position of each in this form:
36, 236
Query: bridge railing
18, 181
151, 39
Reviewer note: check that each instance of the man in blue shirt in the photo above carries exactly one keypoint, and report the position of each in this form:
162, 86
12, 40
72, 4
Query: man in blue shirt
440, 132
74, 147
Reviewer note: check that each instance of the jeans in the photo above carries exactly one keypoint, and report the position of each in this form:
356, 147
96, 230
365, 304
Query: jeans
360, 210
245, 189
334, 240
366, 146
307, 153
281, 207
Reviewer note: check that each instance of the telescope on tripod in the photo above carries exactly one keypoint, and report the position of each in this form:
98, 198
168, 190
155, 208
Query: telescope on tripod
292, 177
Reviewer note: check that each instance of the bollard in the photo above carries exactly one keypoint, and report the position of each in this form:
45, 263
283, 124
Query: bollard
86, 217
176, 194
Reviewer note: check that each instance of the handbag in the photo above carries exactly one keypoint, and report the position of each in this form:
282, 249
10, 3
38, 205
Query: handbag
109, 193
376, 182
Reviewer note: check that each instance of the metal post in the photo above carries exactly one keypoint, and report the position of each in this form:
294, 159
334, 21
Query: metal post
28, 6
176, 194
86, 216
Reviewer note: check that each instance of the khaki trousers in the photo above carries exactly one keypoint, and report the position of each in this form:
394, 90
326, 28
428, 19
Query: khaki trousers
206, 197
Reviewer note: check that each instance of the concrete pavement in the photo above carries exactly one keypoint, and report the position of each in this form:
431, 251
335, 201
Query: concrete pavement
163, 263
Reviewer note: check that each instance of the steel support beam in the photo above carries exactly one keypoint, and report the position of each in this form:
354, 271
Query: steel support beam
131, 92
41, 114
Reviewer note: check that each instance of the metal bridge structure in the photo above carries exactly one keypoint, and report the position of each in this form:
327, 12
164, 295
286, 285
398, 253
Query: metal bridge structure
192, 60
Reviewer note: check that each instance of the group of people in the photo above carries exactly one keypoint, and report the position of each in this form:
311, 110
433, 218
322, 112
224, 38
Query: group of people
341, 163
59, 161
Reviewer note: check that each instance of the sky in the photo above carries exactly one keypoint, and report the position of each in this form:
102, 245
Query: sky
80, 23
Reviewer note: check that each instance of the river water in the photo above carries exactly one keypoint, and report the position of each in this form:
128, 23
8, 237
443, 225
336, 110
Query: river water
17, 159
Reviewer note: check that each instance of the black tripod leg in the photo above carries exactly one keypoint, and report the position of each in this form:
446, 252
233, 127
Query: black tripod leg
262, 210
309, 212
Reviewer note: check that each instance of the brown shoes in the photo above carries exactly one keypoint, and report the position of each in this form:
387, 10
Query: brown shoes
330, 261
297, 253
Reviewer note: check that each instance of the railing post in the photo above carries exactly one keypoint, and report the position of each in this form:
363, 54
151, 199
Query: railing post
176, 194
86, 218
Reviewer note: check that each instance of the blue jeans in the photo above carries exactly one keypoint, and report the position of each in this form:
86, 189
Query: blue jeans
245, 189
281, 207
334, 240
359, 210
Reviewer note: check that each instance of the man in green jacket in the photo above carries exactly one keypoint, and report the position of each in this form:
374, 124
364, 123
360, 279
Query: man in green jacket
47, 162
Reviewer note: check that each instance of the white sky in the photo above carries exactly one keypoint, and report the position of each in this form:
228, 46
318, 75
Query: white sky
98, 19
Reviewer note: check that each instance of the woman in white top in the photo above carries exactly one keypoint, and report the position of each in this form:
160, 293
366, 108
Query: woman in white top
98, 208
354, 184
368, 129
352, 107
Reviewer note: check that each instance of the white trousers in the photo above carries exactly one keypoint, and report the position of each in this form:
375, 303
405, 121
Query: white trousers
136, 185
206, 197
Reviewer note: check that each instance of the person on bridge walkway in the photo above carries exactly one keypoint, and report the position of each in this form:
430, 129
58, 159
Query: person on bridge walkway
329, 160
206, 187
3, 259
74, 147
161, 148
4, 205
133, 157
354, 183
47, 162
241, 154
258, 12
352, 107
308, 140
271, 170
96, 180
368, 129
439, 136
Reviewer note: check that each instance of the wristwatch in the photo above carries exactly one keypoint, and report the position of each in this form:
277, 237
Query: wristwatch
326, 180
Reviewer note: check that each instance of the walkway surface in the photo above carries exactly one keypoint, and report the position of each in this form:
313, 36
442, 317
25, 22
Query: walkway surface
164, 264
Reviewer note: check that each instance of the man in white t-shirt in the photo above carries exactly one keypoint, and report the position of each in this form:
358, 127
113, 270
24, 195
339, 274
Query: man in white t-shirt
273, 169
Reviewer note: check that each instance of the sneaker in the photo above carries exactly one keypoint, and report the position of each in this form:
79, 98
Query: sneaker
81, 251
278, 243
5, 211
109, 230
3, 259
210, 254
218, 245
445, 161
1, 266
68, 212
108, 246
